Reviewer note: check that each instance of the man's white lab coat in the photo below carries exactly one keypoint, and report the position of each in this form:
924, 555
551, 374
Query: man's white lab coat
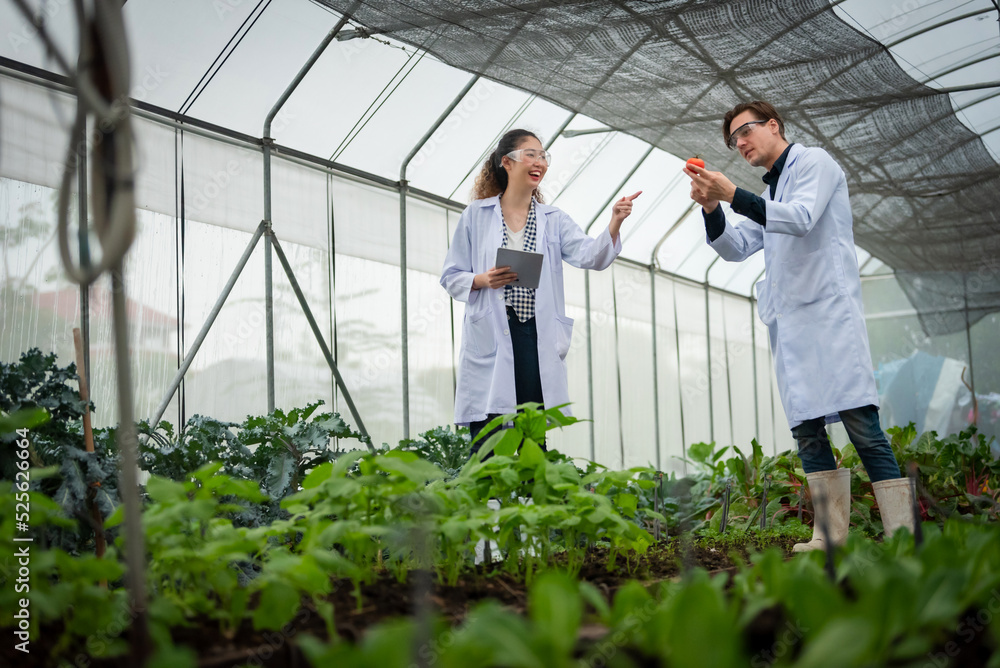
810, 297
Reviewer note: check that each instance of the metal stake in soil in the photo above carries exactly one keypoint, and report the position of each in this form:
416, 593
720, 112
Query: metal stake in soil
763, 503
656, 505
918, 531
725, 507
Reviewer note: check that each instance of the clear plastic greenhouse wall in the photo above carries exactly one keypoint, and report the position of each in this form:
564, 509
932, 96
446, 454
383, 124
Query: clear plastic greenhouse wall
667, 348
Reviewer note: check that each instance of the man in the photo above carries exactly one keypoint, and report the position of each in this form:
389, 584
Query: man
810, 300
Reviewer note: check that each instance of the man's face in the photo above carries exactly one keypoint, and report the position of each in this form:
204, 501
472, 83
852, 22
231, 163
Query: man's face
755, 142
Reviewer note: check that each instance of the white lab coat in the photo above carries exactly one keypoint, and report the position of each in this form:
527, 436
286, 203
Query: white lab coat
810, 297
486, 360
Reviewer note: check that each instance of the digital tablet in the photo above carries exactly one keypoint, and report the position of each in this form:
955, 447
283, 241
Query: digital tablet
527, 266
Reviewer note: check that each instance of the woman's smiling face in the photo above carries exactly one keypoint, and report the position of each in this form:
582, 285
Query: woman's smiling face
529, 167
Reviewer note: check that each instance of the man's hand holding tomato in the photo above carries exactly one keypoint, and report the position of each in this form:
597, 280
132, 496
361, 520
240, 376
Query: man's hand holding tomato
709, 188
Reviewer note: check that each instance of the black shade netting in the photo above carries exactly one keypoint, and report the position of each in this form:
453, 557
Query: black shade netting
925, 190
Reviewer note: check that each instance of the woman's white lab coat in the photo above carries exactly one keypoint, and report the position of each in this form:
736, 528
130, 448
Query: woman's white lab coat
810, 297
486, 359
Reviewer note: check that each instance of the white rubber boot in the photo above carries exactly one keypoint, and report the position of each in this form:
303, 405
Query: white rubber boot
531, 543
831, 496
480, 549
895, 503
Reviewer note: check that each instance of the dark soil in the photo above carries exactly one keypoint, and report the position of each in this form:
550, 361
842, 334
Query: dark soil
386, 598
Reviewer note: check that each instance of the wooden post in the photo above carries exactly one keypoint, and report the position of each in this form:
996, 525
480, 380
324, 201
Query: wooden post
88, 440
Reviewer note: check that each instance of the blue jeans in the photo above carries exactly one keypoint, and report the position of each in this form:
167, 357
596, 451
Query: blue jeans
527, 377
865, 433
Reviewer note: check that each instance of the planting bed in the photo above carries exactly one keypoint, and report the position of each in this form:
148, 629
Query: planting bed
386, 598
267, 545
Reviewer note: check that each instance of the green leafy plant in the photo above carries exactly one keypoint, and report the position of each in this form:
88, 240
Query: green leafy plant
290, 445
959, 472
448, 449
46, 398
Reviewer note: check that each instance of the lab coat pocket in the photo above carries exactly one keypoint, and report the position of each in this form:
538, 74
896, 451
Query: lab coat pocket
808, 278
764, 308
564, 335
479, 334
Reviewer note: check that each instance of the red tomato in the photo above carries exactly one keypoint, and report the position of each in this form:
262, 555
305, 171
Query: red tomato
697, 162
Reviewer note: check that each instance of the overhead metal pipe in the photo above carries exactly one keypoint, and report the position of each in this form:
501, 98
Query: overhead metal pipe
654, 260
403, 185
939, 24
559, 131
962, 66
268, 142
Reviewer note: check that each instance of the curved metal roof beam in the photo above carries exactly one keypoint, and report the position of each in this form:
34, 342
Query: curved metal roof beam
975, 102
939, 24
961, 67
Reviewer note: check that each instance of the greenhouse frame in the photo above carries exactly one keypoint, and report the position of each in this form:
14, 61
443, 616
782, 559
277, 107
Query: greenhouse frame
245, 350
207, 180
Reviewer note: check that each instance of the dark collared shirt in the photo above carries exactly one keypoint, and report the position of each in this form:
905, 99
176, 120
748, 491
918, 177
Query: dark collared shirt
746, 203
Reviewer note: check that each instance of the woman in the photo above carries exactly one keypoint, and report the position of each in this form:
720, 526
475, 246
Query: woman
514, 339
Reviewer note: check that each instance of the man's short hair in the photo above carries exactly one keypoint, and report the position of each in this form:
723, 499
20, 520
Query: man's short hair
762, 110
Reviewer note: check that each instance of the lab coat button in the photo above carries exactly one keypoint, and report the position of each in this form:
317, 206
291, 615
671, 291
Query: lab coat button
506, 332
779, 315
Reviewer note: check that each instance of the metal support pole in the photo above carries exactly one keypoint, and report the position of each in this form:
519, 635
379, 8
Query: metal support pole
84, 242
268, 141
268, 285
654, 258
770, 387
618, 369
656, 366
753, 350
968, 339
322, 342
729, 373
404, 318
680, 384
332, 283
212, 315
590, 366
708, 338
